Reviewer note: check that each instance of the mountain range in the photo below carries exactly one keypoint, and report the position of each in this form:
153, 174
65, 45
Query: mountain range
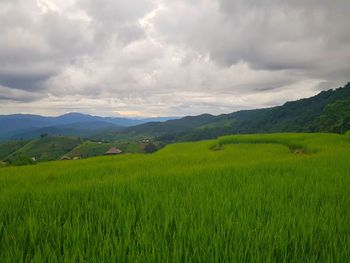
26, 126
329, 111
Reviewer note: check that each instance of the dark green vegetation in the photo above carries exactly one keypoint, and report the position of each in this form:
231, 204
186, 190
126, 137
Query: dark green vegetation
329, 111
335, 117
7, 148
252, 198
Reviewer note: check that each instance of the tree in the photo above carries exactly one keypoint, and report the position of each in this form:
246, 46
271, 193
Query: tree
150, 148
43, 135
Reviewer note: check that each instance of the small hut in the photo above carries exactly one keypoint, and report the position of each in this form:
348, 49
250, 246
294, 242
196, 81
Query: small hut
76, 157
113, 151
64, 158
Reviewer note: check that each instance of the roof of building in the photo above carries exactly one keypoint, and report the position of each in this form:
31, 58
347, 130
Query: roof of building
114, 150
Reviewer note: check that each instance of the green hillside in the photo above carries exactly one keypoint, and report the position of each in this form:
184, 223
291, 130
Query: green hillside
6, 148
43, 149
326, 112
335, 117
153, 129
252, 198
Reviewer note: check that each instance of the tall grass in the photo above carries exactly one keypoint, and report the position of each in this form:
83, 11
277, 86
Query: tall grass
251, 200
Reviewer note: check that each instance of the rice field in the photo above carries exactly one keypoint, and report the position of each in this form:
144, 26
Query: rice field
244, 198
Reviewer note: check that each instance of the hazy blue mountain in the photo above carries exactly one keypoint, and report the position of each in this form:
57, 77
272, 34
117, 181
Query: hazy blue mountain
16, 122
89, 125
158, 119
78, 129
329, 111
27, 126
75, 117
153, 129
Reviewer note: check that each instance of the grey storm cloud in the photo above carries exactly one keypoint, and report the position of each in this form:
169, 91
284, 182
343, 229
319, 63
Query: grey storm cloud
272, 35
168, 57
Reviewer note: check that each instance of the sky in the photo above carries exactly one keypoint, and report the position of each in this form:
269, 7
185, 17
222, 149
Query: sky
168, 57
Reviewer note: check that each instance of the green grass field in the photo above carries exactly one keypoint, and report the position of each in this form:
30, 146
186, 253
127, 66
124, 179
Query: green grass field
251, 198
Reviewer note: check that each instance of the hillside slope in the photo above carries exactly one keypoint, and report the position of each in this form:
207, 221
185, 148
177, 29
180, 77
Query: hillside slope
153, 129
329, 111
7, 148
43, 149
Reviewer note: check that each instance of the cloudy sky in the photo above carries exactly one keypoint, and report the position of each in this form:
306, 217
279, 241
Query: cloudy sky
168, 57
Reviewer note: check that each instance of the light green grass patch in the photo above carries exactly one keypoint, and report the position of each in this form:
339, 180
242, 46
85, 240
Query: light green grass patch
254, 200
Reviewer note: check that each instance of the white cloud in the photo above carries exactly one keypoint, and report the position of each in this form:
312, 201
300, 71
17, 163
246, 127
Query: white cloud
162, 57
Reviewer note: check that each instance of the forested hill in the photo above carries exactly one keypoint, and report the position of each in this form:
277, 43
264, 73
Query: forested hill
329, 111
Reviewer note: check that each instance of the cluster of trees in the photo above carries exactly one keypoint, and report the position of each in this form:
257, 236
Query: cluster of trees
334, 118
150, 148
20, 159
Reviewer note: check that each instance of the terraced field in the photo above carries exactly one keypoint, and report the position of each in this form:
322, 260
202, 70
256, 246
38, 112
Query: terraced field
245, 198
